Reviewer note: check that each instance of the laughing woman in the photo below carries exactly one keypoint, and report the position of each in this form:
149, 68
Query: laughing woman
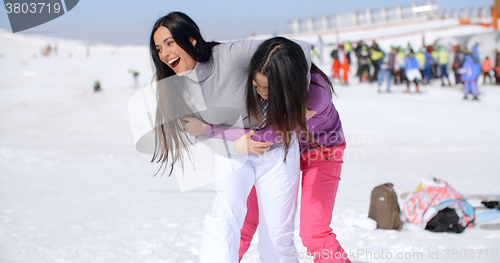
221, 69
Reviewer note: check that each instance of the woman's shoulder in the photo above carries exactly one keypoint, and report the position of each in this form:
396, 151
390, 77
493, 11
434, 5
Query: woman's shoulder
319, 92
318, 84
236, 53
245, 45
318, 80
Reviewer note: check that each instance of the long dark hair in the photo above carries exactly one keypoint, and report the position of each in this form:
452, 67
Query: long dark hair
169, 136
284, 64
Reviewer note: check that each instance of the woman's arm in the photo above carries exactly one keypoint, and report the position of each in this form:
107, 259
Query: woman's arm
196, 127
247, 141
225, 132
240, 139
234, 133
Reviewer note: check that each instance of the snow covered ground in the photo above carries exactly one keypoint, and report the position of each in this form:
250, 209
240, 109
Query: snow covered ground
74, 189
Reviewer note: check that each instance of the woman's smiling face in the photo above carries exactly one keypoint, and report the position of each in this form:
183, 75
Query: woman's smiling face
172, 54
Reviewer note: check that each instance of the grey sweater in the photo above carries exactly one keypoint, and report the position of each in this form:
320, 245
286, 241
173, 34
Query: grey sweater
222, 81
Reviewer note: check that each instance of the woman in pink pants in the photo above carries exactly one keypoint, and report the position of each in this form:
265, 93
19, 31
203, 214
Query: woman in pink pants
321, 143
321, 168
320, 181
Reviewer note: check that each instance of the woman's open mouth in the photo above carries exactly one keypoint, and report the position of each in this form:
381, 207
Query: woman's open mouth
173, 63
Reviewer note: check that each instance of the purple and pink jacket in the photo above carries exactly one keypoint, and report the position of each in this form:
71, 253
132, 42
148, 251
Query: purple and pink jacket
325, 126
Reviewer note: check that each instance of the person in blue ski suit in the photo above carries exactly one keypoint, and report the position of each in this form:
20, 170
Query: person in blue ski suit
469, 73
412, 71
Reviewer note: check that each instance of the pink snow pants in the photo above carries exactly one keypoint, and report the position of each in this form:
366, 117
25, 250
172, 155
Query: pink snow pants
320, 181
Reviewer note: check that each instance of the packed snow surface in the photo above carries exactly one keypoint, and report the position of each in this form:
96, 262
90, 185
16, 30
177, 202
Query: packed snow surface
74, 189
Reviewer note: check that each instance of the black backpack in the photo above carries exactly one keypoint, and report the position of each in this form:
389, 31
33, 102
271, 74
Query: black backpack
334, 54
446, 220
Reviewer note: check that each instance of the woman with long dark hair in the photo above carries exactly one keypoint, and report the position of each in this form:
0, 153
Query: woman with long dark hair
277, 88
181, 57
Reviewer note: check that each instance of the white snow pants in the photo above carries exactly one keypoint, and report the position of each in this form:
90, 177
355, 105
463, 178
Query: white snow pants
277, 184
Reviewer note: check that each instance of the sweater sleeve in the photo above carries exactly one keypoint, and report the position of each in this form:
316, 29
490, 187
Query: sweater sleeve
318, 103
225, 132
242, 51
232, 133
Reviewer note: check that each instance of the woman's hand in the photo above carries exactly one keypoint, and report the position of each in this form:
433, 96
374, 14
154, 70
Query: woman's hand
309, 114
193, 125
245, 145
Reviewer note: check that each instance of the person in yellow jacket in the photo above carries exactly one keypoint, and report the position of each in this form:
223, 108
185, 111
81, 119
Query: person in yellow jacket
376, 55
421, 59
314, 55
347, 50
364, 63
421, 63
442, 60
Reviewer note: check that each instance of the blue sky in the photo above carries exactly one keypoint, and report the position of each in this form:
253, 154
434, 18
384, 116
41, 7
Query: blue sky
130, 21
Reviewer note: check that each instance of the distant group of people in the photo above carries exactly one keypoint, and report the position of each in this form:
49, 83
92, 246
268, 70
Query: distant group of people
407, 66
404, 65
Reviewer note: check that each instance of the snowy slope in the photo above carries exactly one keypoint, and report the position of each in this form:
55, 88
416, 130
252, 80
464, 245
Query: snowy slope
73, 188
